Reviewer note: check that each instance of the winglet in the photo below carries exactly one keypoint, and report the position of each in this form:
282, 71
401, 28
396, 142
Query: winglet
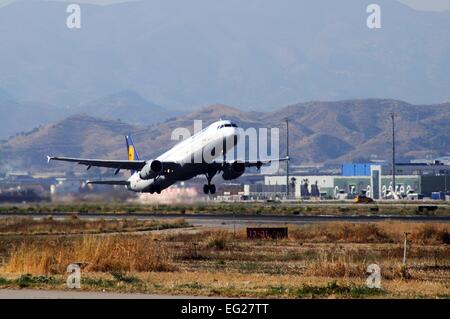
48, 159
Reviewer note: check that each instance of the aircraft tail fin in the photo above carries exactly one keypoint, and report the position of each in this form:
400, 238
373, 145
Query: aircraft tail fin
132, 153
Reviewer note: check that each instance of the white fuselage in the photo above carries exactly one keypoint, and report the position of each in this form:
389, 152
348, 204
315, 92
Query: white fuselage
201, 147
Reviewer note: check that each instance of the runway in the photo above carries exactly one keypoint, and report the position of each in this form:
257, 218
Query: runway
74, 294
229, 220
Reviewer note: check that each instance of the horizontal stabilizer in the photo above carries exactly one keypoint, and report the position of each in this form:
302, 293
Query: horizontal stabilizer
108, 182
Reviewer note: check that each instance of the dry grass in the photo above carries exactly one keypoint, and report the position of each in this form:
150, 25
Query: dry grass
322, 260
381, 232
339, 264
76, 225
431, 233
101, 254
123, 207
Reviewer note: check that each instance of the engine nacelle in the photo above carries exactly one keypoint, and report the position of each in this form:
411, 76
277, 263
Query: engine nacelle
151, 170
233, 171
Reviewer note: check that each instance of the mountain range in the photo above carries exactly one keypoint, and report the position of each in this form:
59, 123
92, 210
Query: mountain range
127, 106
320, 132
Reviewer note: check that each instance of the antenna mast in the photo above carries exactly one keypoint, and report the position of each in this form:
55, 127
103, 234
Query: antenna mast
393, 156
287, 157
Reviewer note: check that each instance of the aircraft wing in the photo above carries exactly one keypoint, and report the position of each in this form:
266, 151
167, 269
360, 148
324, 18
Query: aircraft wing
256, 164
119, 164
260, 163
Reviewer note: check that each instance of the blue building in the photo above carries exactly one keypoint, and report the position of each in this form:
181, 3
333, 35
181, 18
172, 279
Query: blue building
356, 169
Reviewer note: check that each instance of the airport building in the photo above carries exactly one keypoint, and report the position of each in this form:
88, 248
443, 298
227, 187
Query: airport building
342, 187
413, 180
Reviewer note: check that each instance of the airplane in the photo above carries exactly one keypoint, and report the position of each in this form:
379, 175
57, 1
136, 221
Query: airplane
179, 163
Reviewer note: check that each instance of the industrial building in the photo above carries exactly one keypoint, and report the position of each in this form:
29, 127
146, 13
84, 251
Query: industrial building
338, 187
373, 179
434, 168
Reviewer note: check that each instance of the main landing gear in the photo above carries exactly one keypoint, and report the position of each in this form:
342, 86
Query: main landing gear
209, 188
155, 189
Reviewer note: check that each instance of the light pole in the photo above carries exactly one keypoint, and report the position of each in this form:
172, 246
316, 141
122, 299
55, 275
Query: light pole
393, 155
445, 183
287, 158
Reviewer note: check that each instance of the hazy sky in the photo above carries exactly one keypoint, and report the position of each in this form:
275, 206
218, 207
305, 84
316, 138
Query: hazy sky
431, 5
254, 53
428, 5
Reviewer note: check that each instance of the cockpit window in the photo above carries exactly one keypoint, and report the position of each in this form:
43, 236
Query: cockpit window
227, 125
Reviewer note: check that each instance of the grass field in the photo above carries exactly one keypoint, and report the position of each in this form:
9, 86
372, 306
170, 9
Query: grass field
74, 225
250, 208
327, 260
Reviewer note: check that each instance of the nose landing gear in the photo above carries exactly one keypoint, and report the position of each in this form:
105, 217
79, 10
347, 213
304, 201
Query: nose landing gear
209, 188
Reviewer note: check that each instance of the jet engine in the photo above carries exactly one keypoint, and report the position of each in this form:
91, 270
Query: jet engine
233, 171
151, 170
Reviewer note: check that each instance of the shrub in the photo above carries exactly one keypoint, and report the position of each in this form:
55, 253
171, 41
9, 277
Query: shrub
28, 280
430, 233
217, 240
333, 288
120, 276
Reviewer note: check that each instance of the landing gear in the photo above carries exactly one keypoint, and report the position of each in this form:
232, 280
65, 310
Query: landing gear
209, 188
155, 189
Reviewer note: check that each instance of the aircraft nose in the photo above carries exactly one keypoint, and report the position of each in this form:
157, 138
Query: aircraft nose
235, 135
